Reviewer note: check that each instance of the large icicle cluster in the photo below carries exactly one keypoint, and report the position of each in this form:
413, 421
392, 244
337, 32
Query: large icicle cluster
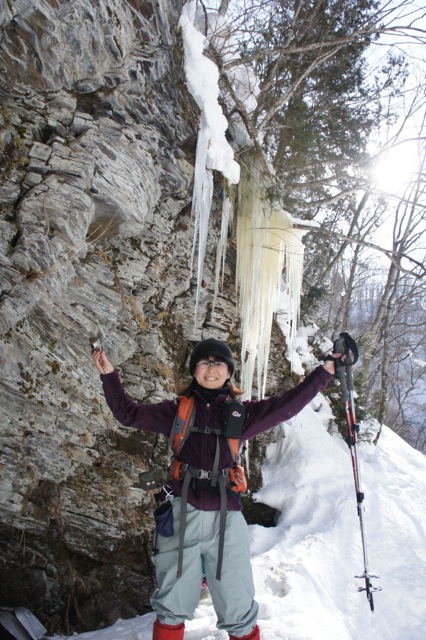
267, 244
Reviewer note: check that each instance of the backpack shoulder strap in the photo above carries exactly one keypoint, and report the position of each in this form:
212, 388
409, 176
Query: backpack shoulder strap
182, 423
234, 446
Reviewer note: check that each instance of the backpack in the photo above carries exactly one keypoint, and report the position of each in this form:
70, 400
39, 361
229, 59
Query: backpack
182, 427
233, 477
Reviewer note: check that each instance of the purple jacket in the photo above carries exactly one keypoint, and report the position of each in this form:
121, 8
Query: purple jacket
199, 448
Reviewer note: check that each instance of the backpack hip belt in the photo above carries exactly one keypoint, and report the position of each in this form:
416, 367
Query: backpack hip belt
235, 478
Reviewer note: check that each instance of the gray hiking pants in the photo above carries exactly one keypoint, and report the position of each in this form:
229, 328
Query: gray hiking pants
176, 599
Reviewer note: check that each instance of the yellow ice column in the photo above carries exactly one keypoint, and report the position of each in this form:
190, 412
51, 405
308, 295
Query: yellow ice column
267, 245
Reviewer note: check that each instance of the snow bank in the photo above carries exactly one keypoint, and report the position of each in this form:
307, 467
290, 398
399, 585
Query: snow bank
304, 568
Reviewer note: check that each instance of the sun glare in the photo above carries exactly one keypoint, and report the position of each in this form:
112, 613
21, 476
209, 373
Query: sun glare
396, 168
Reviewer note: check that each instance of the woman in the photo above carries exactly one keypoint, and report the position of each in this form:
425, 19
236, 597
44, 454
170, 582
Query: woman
204, 485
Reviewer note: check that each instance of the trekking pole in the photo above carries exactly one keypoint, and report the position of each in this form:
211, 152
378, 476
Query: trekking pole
347, 346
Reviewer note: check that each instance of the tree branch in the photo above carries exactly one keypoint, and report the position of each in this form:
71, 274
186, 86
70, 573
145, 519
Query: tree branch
370, 245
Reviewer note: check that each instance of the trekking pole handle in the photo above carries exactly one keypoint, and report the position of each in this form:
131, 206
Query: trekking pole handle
347, 346
341, 373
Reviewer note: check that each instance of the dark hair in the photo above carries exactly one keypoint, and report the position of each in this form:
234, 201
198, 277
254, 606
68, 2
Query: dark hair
234, 391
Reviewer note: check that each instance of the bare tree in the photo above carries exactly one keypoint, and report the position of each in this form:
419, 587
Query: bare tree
332, 77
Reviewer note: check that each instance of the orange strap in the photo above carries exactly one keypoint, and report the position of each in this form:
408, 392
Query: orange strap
185, 416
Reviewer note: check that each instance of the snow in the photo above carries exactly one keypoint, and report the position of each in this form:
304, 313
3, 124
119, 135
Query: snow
202, 77
241, 78
298, 353
305, 567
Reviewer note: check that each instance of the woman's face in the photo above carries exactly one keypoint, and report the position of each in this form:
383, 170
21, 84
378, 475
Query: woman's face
211, 373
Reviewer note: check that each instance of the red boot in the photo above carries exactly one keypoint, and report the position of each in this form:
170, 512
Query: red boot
167, 631
254, 635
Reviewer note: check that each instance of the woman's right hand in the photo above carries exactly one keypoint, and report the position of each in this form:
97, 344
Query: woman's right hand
101, 362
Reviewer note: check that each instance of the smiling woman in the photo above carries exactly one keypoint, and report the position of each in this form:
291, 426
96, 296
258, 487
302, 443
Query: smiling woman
198, 516
396, 168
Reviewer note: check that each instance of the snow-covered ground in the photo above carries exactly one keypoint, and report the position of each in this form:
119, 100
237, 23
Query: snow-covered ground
305, 567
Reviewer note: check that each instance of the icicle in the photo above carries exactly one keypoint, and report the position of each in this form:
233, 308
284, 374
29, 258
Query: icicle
266, 244
293, 280
201, 206
223, 241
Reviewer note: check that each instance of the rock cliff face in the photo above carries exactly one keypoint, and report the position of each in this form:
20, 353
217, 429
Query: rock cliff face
97, 143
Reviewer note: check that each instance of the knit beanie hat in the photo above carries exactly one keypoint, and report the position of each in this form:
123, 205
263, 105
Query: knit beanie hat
212, 347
